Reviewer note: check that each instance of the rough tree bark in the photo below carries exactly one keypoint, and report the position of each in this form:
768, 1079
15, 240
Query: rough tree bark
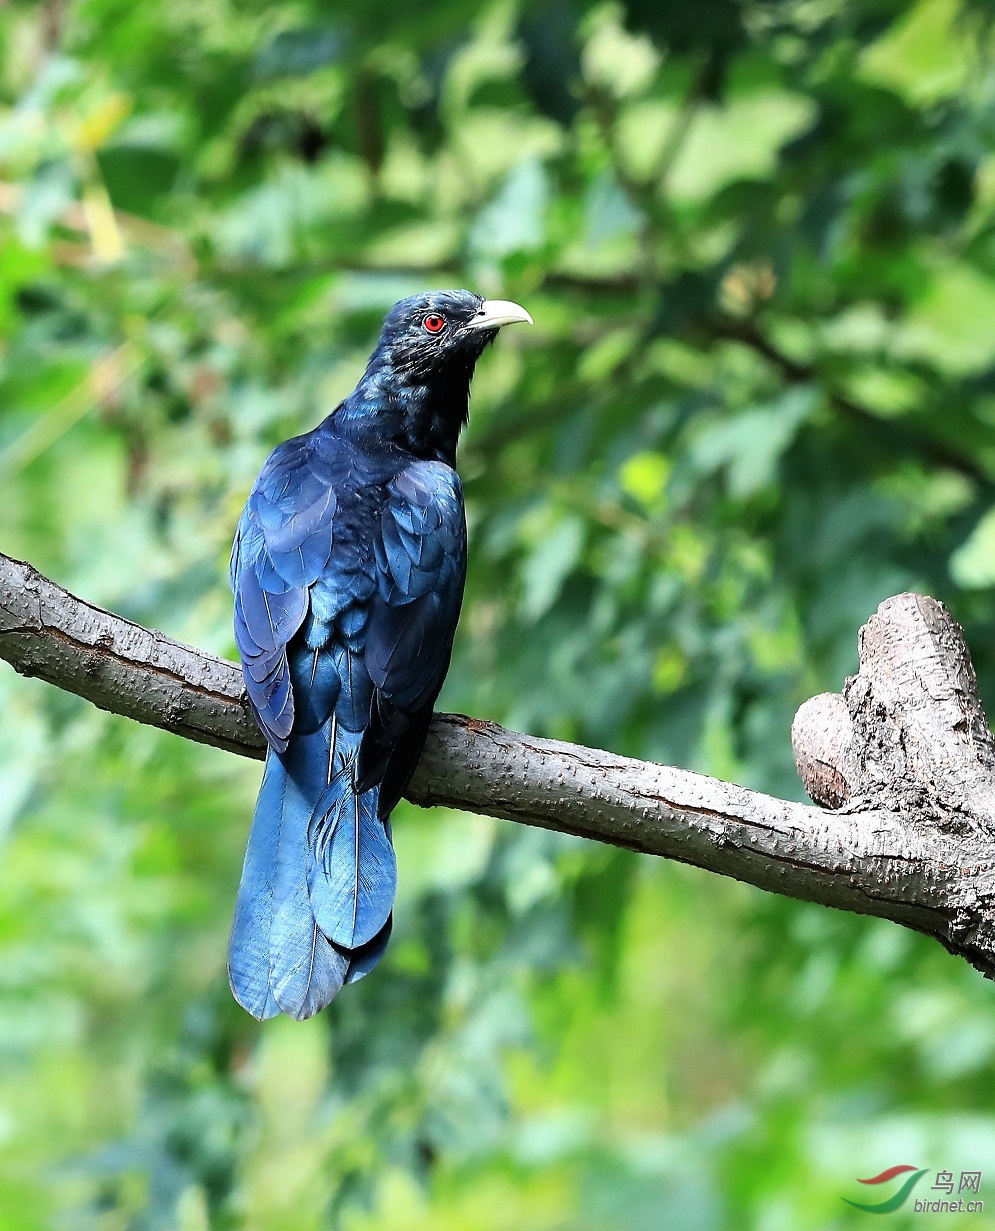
903, 761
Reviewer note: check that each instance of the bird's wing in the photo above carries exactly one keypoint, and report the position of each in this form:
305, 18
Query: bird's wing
319, 867
282, 546
421, 568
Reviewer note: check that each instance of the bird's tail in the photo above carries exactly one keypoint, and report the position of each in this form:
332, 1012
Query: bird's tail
318, 883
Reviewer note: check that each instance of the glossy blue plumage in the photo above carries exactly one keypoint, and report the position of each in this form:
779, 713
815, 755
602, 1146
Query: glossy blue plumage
348, 570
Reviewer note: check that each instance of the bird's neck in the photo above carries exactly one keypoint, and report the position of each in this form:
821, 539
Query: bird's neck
422, 417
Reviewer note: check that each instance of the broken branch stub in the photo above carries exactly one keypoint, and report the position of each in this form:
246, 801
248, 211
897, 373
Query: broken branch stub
908, 732
908, 737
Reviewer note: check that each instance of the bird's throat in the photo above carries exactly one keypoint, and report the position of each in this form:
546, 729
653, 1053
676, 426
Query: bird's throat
423, 417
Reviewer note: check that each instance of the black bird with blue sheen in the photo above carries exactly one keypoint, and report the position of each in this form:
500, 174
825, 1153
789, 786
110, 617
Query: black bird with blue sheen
348, 569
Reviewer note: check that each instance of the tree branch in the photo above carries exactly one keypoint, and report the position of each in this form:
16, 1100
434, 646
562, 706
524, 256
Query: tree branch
886, 431
120, 666
905, 750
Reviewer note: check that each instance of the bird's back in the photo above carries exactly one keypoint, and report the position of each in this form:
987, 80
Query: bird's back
348, 572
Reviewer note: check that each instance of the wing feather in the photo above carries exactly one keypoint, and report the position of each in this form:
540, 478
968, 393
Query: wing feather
282, 547
421, 563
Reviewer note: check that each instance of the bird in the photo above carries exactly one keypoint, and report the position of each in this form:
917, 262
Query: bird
348, 568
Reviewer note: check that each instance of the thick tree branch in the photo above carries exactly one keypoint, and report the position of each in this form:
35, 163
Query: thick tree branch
120, 666
906, 751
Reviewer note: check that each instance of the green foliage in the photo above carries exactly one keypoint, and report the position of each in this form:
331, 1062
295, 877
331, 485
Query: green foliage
758, 240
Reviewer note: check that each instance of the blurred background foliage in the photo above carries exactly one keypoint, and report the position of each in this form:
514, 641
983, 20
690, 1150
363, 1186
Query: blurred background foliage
758, 240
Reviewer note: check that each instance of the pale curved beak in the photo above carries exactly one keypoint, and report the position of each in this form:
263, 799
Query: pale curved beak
498, 312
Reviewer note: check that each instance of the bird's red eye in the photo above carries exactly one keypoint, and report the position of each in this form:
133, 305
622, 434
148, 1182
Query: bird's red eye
434, 323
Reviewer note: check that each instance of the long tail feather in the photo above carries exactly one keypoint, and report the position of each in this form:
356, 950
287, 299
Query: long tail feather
352, 874
248, 946
318, 883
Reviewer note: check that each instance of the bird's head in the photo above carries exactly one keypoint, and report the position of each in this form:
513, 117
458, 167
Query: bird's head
418, 378
425, 335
